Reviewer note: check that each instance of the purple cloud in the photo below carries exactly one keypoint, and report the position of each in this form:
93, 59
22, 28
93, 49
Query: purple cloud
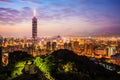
5, 0
32, 1
69, 12
12, 16
57, 5
7, 15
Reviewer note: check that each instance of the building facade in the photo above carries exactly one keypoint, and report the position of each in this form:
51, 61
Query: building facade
34, 28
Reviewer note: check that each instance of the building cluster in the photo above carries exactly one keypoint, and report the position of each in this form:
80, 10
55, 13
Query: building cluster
93, 47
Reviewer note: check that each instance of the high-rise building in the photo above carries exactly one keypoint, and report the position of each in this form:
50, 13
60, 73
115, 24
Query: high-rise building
111, 51
34, 26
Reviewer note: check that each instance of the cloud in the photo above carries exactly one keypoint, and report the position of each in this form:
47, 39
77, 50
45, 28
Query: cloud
32, 1
57, 5
13, 16
69, 12
7, 15
58, 11
5, 1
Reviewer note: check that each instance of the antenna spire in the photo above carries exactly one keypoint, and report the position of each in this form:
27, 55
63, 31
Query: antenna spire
34, 12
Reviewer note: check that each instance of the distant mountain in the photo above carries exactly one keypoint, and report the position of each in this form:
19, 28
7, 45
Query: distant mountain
108, 32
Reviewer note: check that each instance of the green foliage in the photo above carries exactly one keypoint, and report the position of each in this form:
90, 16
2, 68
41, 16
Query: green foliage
44, 67
17, 69
51, 63
49, 59
41, 64
68, 67
48, 76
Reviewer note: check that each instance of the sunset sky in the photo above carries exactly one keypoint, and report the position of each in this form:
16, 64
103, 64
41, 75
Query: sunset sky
60, 17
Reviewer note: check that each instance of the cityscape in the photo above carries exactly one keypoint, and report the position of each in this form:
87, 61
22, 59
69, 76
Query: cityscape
65, 27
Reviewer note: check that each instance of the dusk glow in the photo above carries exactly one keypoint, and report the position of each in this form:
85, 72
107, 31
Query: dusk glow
60, 17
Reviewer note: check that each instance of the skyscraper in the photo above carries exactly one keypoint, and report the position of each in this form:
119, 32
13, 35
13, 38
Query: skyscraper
34, 26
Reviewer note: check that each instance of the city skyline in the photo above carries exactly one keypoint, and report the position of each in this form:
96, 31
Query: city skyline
60, 17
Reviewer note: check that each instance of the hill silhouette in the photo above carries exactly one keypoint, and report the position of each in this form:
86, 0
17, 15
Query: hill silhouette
83, 67
64, 64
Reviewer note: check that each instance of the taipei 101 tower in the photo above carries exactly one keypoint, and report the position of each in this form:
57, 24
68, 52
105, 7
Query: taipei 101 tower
34, 26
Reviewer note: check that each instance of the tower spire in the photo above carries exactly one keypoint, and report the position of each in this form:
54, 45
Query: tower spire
34, 12
34, 25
